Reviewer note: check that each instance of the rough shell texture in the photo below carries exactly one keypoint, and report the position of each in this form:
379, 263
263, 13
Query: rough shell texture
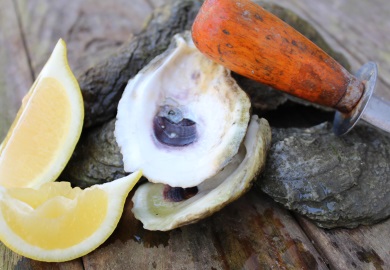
97, 159
156, 212
181, 118
335, 181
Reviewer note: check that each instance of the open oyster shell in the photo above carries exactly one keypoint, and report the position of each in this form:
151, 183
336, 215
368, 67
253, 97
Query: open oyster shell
182, 118
158, 210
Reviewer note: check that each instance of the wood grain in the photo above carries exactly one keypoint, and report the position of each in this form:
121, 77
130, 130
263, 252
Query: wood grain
251, 233
91, 29
366, 247
27, 264
11, 260
159, 3
15, 76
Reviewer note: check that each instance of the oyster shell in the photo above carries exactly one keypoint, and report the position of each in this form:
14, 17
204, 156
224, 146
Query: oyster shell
334, 181
157, 210
182, 118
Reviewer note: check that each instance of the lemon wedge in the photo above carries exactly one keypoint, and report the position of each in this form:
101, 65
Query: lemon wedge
47, 127
56, 223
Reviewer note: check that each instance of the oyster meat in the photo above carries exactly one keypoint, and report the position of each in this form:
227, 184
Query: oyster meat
182, 118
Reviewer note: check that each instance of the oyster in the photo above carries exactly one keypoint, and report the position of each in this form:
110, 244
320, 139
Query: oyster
160, 207
182, 118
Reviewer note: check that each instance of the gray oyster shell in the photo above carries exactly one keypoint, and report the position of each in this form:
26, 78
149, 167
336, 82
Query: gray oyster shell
335, 181
97, 158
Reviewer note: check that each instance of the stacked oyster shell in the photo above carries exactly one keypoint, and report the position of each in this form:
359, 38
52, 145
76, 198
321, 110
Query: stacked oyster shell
186, 124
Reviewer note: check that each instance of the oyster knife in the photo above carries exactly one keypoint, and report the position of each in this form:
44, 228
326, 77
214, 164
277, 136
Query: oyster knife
250, 41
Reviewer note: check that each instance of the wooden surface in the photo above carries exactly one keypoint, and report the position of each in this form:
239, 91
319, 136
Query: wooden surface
252, 233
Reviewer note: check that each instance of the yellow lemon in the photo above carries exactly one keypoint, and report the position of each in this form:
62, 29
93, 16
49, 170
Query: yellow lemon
56, 223
47, 127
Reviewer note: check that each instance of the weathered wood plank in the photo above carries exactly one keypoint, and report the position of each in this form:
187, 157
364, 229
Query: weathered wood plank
91, 29
27, 264
10, 260
251, 233
15, 76
366, 247
159, 3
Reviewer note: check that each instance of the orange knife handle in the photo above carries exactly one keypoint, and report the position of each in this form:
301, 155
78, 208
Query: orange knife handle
250, 41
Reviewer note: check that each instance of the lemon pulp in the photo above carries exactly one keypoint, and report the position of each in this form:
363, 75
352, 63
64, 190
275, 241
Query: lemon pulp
35, 140
51, 223
47, 127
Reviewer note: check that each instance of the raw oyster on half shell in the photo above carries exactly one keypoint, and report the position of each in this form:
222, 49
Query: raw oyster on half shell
163, 208
182, 118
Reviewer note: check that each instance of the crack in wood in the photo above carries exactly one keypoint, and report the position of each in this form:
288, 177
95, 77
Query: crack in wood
23, 38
